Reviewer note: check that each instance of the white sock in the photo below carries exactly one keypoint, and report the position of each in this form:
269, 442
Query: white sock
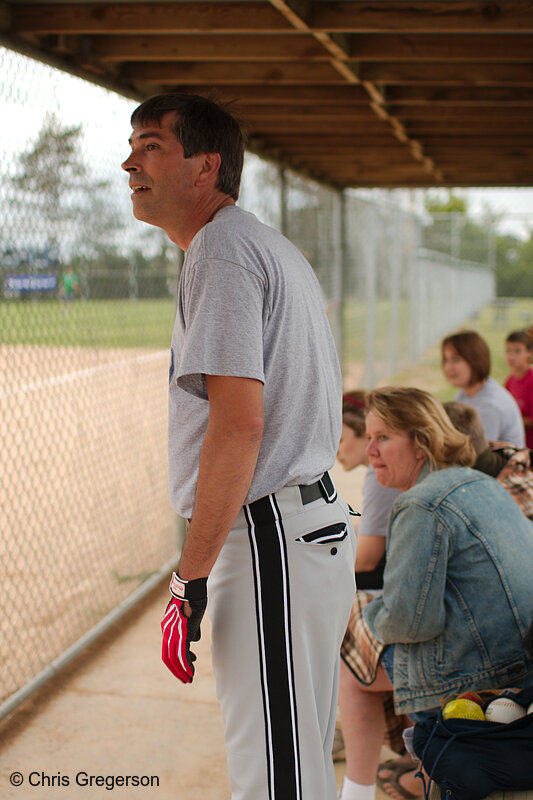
356, 791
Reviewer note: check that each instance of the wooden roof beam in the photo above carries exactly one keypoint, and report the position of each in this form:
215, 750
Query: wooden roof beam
144, 18
217, 74
365, 154
504, 165
299, 12
5, 17
448, 73
484, 142
392, 173
399, 16
164, 18
471, 96
307, 112
324, 162
387, 16
338, 139
445, 114
267, 127
293, 95
441, 47
499, 127
200, 47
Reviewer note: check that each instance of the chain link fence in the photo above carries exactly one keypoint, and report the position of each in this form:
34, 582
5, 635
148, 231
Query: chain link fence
87, 300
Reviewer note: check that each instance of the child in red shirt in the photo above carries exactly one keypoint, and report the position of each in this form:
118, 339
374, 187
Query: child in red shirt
518, 349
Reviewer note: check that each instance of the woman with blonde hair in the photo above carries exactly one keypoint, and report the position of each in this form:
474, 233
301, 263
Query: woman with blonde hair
456, 601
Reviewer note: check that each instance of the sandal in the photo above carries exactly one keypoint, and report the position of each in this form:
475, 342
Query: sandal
396, 771
338, 751
392, 763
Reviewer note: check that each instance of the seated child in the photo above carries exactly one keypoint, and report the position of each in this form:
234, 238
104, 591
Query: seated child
518, 349
511, 466
377, 500
467, 420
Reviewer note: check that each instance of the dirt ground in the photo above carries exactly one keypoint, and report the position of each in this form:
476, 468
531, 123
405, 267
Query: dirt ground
117, 711
83, 491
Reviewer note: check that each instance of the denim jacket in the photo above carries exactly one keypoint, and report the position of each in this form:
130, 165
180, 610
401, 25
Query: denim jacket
458, 588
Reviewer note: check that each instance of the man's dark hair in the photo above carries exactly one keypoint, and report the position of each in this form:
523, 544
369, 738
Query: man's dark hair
521, 337
474, 350
203, 125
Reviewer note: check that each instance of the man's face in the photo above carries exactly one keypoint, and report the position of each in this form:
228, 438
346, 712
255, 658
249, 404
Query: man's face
161, 178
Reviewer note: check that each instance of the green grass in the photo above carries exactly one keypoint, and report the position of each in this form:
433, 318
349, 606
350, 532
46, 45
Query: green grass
355, 325
148, 324
427, 374
96, 323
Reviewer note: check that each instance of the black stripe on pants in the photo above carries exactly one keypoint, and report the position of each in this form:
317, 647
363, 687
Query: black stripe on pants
272, 600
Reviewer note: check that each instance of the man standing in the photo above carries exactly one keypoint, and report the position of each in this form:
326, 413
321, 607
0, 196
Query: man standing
254, 423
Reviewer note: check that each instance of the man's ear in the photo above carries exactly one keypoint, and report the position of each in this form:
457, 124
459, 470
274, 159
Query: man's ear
208, 169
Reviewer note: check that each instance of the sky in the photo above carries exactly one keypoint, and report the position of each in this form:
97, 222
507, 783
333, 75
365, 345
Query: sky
517, 201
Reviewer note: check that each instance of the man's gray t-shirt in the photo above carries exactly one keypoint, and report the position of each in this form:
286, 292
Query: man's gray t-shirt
499, 413
250, 306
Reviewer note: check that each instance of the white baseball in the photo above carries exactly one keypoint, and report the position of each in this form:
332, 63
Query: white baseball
503, 709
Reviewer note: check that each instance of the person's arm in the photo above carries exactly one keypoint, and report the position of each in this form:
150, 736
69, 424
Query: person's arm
491, 461
227, 463
411, 608
370, 550
374, 522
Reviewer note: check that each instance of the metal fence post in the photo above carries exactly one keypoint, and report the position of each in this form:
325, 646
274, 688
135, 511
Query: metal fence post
394, 252
369, 251
414, 291
337, 271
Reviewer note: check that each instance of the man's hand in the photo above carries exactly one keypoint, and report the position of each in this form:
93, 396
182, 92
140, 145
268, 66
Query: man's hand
181, 625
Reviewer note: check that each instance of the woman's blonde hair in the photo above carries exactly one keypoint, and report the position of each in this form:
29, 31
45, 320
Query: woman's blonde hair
423, 418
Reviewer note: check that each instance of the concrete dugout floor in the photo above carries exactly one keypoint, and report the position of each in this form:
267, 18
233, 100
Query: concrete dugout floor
118, 711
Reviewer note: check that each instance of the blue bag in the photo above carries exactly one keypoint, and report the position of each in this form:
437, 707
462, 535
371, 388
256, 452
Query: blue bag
469, 759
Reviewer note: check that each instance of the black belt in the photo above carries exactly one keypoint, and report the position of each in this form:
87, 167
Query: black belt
261, 509
323, 488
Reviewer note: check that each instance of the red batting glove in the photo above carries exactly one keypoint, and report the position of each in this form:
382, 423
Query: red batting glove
178, 629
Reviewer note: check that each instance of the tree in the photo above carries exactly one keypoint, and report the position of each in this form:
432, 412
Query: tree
451, 205
453, 232
57, 201
514, 261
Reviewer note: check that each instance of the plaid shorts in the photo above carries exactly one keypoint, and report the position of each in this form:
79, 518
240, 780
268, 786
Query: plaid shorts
361, 652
